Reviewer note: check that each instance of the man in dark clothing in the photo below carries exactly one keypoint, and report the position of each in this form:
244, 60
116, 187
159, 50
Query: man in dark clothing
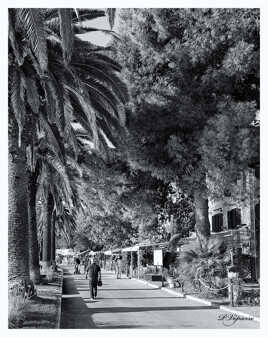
76, 266
94, 275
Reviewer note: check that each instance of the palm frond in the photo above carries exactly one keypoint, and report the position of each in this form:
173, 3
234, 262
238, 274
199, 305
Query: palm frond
102, 92
31, 157
53, 140
78, 16
82, 120
32, 22
12, 37
85, 54
84, 101
107, 60
83, 28
86, 14
108, 78
105, 129
55, 102
73, 163
104, 111
32, 95
50, 13
110, 12
69, 131
57, 166
74, 143
87, 46
17, 100
53, 27
66, 32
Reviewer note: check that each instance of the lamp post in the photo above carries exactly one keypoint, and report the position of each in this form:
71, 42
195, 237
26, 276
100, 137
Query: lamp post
233, 281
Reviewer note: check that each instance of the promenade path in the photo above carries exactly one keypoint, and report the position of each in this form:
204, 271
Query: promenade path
130, 304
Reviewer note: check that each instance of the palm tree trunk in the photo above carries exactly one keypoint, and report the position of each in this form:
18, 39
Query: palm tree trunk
202, 226
33, 240
46, 253
53, 247
18, 248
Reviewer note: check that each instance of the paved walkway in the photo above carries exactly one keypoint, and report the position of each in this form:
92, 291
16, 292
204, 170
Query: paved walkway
128, 303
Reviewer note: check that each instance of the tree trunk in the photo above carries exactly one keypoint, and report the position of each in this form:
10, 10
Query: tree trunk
18, 247
46, 253
53, 248
202, 225
41, 250
33, 240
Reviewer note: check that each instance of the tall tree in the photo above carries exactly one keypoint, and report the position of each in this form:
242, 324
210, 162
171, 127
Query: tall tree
182, 66
50, 92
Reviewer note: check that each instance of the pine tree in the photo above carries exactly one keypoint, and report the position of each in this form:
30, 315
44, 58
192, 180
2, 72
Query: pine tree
189, 70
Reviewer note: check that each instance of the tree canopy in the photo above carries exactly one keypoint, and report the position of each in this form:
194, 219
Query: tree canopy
183, 67
192, 74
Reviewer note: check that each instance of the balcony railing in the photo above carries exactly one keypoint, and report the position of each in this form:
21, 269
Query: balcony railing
237, 238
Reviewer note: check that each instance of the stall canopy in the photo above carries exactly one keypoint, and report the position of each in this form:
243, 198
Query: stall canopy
108, 252
159, 244
144, 244
135, 248
131, 249
65, 252
89, 252
118, 250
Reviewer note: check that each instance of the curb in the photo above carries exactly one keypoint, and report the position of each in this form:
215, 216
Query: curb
161, 288
60, 299
223, 307
178, 294
201, 300
145, 282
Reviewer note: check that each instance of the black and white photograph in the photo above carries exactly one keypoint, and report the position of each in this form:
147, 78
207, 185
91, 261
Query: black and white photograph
133, 167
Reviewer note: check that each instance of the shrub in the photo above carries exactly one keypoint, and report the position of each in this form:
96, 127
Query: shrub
209, 264
16, 305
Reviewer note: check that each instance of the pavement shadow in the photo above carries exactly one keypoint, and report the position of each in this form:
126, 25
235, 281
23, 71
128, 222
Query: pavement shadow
132, 298
121, 326
74, 312
128, 289
42, 300
141, 309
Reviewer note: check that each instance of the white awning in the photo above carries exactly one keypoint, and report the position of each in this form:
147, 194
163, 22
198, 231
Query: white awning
108, 252
130, 249
65, 252
84, 252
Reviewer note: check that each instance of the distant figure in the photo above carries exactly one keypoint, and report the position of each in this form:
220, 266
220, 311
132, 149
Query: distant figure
113, 264
87, 267
77, 266
94, 275
85, 263
128, 269
119, 267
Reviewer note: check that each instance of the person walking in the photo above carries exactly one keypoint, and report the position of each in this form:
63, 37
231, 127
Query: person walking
85, 263
119, 267
76, 266
87, 267
94, 277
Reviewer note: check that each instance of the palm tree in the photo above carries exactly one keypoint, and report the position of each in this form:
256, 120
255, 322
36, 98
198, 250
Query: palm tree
46, 90
58, 196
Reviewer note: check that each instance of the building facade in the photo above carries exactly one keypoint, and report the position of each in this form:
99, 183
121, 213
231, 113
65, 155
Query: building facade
236, 219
